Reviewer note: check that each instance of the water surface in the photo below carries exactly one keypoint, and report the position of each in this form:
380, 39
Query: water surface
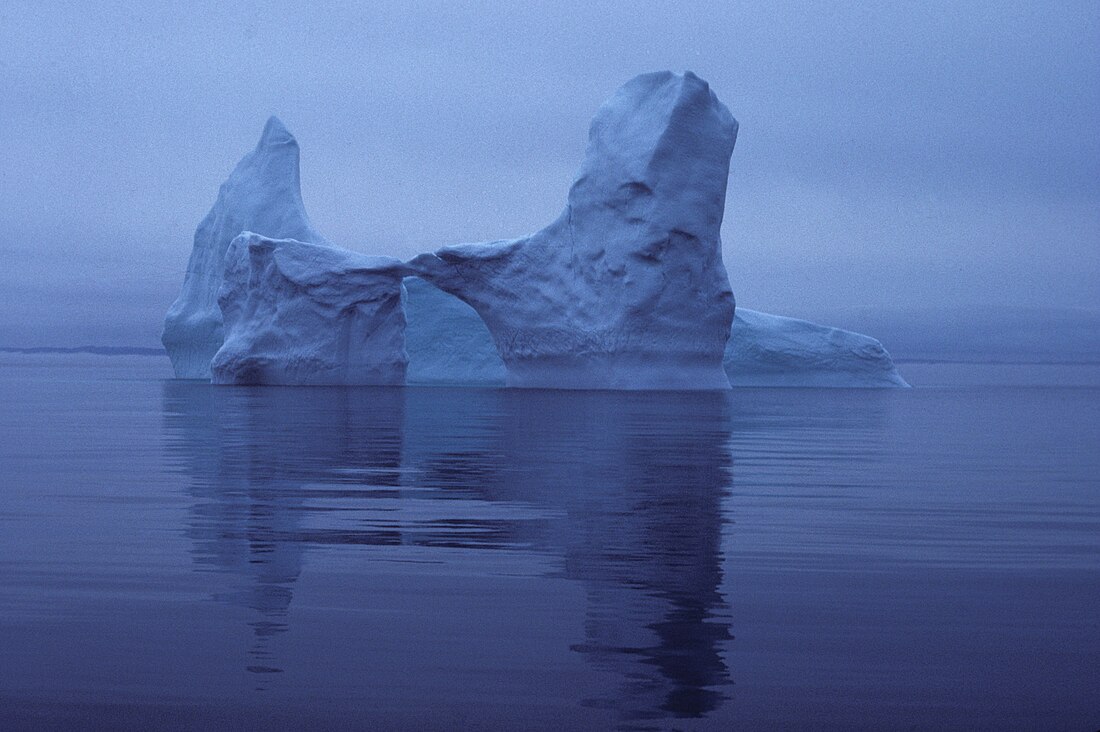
177, 555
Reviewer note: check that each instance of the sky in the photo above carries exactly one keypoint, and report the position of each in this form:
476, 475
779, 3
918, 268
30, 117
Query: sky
891, 156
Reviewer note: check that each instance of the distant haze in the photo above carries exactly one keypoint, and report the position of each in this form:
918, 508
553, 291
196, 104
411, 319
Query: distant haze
909, 157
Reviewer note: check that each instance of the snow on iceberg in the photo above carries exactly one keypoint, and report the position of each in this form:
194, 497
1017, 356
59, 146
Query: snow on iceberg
447, 341
771, 350
262, 194
626, 289
300, 313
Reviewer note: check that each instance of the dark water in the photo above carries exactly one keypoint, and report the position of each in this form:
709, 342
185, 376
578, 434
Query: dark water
176, 555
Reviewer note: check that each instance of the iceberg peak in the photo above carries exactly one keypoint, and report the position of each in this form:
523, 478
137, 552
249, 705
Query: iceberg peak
262, 195
661, 136
276, 133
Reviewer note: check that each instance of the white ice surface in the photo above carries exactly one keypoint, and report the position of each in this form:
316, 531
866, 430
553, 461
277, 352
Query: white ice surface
262, 195
298, 313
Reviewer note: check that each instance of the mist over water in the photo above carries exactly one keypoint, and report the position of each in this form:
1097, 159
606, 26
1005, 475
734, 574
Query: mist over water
178, 553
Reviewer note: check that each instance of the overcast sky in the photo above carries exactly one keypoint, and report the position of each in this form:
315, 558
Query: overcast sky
890, 155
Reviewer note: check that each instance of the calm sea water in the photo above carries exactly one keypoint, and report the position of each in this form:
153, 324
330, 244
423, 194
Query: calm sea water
174, 555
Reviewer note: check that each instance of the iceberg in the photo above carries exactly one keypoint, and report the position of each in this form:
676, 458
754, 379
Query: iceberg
262, 194
301, 313
626, 289
771, 350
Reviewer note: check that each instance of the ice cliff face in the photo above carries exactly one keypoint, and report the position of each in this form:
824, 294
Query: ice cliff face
627, 289
298, 313
770, 350
263, 195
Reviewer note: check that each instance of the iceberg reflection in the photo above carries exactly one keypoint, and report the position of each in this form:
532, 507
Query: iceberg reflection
621, 491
